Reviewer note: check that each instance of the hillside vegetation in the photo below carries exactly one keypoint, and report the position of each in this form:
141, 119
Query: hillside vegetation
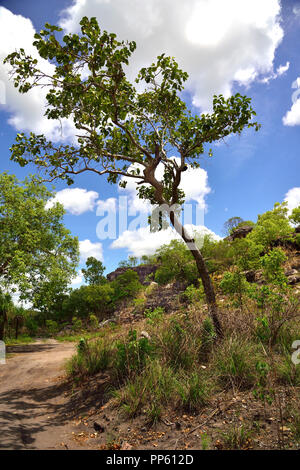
155, 347
164, 367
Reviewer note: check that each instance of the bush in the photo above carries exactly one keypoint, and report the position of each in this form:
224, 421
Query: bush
208, 336
52, 326
177, 263
263, 330
178, 348
237, 437
194, 391
154, 316
90, 359
31, 326
246, 253
77, 323
131, 355
234, 284
94, 321
127, 285
234, 363
271, 264
93, 299
272, 225
153, 388
193, 294
288, 373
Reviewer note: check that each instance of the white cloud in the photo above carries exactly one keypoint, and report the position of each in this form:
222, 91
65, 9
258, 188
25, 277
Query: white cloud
143, 242
296, 10
292, 117
26, 110
88, 248
106, 205
283, 68
75, 200
216, 42
77, 280
292, 197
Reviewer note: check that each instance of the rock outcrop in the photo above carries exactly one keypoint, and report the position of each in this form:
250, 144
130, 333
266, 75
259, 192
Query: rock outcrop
240, 232
145, 272
166, 297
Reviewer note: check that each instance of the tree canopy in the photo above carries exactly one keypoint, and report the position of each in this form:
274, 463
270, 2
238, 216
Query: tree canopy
38, 254
118, 125
93, 273
123, 130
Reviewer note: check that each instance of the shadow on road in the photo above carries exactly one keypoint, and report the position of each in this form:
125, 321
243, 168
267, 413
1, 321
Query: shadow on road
30, 348
33, 411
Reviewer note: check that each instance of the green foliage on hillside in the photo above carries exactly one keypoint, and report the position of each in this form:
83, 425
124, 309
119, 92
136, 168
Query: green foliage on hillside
93, 273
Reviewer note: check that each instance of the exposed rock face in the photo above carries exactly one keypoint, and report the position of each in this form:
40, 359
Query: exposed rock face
240, 232
294, 279
166, 297
143, 272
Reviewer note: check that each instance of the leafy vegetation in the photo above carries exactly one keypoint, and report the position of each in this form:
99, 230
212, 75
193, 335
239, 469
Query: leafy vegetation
239, 315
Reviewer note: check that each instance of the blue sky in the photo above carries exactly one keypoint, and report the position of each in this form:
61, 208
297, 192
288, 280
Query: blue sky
253, 50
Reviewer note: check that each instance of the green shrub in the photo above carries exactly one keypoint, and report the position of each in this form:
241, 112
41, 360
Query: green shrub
176, 345
90, 359
234, 362
263, 391
246, 253
94, 321
52, 326
237, 437
177, 263
234, 284
127, 285
193, 294
288, 373
148, 391
263, 330
94, 299
131, 355
82, 346
208, 336
77, 323
154, 316
194, 391
271, 264
272, 225
31, 326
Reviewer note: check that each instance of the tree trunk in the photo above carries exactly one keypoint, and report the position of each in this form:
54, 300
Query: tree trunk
3, 319
203, 273
17, 327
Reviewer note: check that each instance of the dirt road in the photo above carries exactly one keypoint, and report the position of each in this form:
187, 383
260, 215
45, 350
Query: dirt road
34, 412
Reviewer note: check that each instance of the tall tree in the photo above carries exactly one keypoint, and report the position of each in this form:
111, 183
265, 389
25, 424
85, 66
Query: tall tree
231, 224
6, 305
93, 273
122, 131
35, 247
